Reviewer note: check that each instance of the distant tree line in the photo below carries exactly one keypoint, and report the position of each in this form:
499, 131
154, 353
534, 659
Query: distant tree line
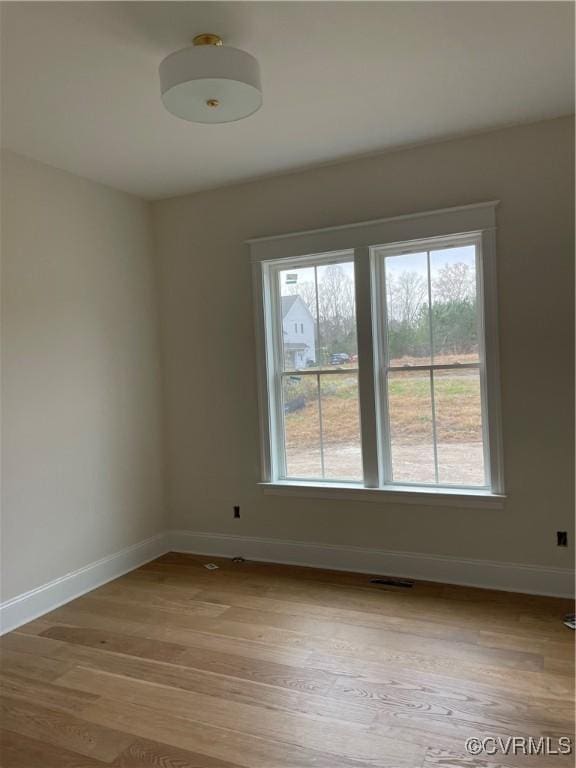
452, 315
453, 312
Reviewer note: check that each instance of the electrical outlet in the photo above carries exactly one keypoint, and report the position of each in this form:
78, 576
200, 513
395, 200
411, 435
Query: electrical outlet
236, 511
562, 538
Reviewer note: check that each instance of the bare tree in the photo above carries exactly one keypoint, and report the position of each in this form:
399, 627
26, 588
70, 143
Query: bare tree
407, 294
454, 283
336, 304
332, 303
307, 292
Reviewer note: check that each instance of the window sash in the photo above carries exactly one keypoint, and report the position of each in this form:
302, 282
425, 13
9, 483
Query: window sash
277, 371
317, 372
378, 255
477, 223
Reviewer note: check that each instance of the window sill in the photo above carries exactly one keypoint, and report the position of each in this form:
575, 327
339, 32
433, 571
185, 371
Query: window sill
443, 497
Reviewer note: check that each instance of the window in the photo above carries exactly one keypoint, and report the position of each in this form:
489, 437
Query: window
431, 390
315, 392
392, 383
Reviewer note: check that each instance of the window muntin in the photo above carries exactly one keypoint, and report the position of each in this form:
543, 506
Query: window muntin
315, 387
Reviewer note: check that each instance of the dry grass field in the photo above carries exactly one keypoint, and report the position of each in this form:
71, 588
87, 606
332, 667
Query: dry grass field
458, 425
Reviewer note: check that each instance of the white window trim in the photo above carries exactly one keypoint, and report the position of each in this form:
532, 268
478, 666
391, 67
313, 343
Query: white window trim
478, 220
398, 494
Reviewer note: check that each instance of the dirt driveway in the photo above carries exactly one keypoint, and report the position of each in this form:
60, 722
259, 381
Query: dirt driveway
462, 463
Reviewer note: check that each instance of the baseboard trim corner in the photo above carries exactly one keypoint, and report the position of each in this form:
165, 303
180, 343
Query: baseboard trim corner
486, 574
47, 597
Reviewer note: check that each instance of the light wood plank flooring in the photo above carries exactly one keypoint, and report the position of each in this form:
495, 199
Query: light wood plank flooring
266, 666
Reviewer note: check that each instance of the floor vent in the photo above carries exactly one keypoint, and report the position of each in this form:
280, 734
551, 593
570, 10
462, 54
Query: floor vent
384, 582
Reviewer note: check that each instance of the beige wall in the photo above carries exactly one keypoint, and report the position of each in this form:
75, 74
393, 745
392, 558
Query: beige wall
81, 428
210, 381
80, 374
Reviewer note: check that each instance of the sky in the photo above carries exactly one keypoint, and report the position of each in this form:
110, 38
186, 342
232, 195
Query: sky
306, 275
408, 262
416, 262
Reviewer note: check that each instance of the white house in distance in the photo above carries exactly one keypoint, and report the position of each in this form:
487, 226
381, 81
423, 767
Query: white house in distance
297, 333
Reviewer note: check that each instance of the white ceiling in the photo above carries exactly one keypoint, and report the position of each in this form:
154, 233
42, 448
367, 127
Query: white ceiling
80, 82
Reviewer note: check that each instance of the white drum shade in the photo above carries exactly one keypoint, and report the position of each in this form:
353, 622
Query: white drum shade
211, 84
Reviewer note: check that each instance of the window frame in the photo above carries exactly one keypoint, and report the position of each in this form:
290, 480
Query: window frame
475, 223
378, 255
274, 341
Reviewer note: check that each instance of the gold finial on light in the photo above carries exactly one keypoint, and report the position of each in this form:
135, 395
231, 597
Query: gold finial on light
212, 103
207, 38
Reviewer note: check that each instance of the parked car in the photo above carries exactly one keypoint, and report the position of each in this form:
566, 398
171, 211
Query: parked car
338, 358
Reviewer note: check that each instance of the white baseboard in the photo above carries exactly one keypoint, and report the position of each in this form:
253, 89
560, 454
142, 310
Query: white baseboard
508, 577
30, 605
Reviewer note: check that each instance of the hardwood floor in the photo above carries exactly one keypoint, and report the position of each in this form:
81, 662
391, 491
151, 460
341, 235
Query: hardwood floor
265, 666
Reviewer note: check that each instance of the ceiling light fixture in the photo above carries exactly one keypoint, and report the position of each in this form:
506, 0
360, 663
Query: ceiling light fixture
210, 82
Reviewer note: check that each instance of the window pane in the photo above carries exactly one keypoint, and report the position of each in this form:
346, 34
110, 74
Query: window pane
411, 433
337, 327
302, 426
298, 309
326, 292
407, 308
454, 305
341, 427
459, 427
